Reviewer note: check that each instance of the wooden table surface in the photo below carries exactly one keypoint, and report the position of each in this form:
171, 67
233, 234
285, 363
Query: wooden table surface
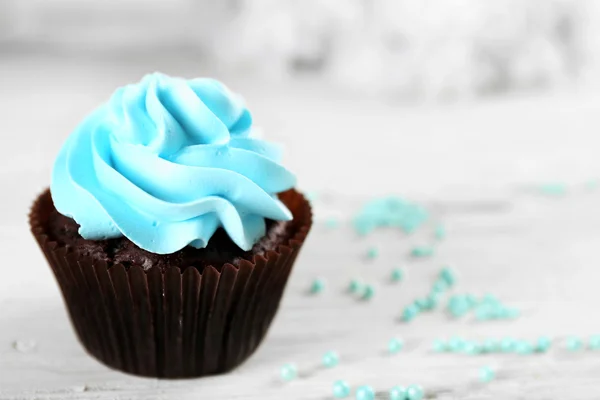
475, 167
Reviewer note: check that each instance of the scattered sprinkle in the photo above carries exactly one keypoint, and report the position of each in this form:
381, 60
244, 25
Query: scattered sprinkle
594, 342
553, 189
354, 286
440, 232
368, 292
409, 313
341, 389
422, 251
456, 343
24, 346
507, 345
447, 275
332, 223
458, 305
591, 184
289, 372
397, 275
372, 253
486, 374
317, 286
414, 392
398, 393
574, 343
421, 304
365, 393
523, 347
395, 345
471, 348
439, 346
439, 287
389, 212
431, 301
485, 309
490, 346
542, 344
330, 359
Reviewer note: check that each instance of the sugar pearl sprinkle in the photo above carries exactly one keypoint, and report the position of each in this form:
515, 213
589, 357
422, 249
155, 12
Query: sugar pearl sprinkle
341, 389
395, 345
414, 392
289, 372
396, 275
317, 286
330, 359
486, 374
354, 286
398, 393
368, 292
409, 217
365, 393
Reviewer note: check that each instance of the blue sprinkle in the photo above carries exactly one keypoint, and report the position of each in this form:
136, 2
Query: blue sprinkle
471, 348
317, 286
332, 223
330, 359
398, 393
440, 232
354, 286
365, 393
422, 251
439, 286
553, 189
395, 345
447, 275
523, 347
430, 302
542, 344
389, 212
574, 343
507, 313
368, 292
289, 372
490, 346
421, 304
458, 306
341, 389
594, 342
439, 346
414, 392
471, 300
591, 184
397, 275
507, 345
486, 374
409, 313
456, 344
372, 253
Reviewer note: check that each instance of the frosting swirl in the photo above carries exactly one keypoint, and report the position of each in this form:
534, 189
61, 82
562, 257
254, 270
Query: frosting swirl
167, 161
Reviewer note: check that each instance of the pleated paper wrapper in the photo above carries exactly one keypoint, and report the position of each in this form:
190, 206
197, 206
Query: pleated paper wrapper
169, 323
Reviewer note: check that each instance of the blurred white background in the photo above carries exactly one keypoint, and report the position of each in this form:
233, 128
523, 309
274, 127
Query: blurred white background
410, 50
427, 94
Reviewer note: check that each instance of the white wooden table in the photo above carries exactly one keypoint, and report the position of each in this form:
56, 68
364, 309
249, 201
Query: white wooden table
469, 165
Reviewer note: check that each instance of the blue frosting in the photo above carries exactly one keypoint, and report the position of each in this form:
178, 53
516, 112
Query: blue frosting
167, 161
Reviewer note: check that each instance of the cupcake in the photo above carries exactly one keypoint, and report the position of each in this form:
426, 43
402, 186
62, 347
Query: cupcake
171, 229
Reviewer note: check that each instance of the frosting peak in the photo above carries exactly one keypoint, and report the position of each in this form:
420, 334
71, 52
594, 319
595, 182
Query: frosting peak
167, 161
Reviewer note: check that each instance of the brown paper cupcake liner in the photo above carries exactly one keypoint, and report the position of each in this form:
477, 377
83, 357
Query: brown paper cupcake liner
168, 323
